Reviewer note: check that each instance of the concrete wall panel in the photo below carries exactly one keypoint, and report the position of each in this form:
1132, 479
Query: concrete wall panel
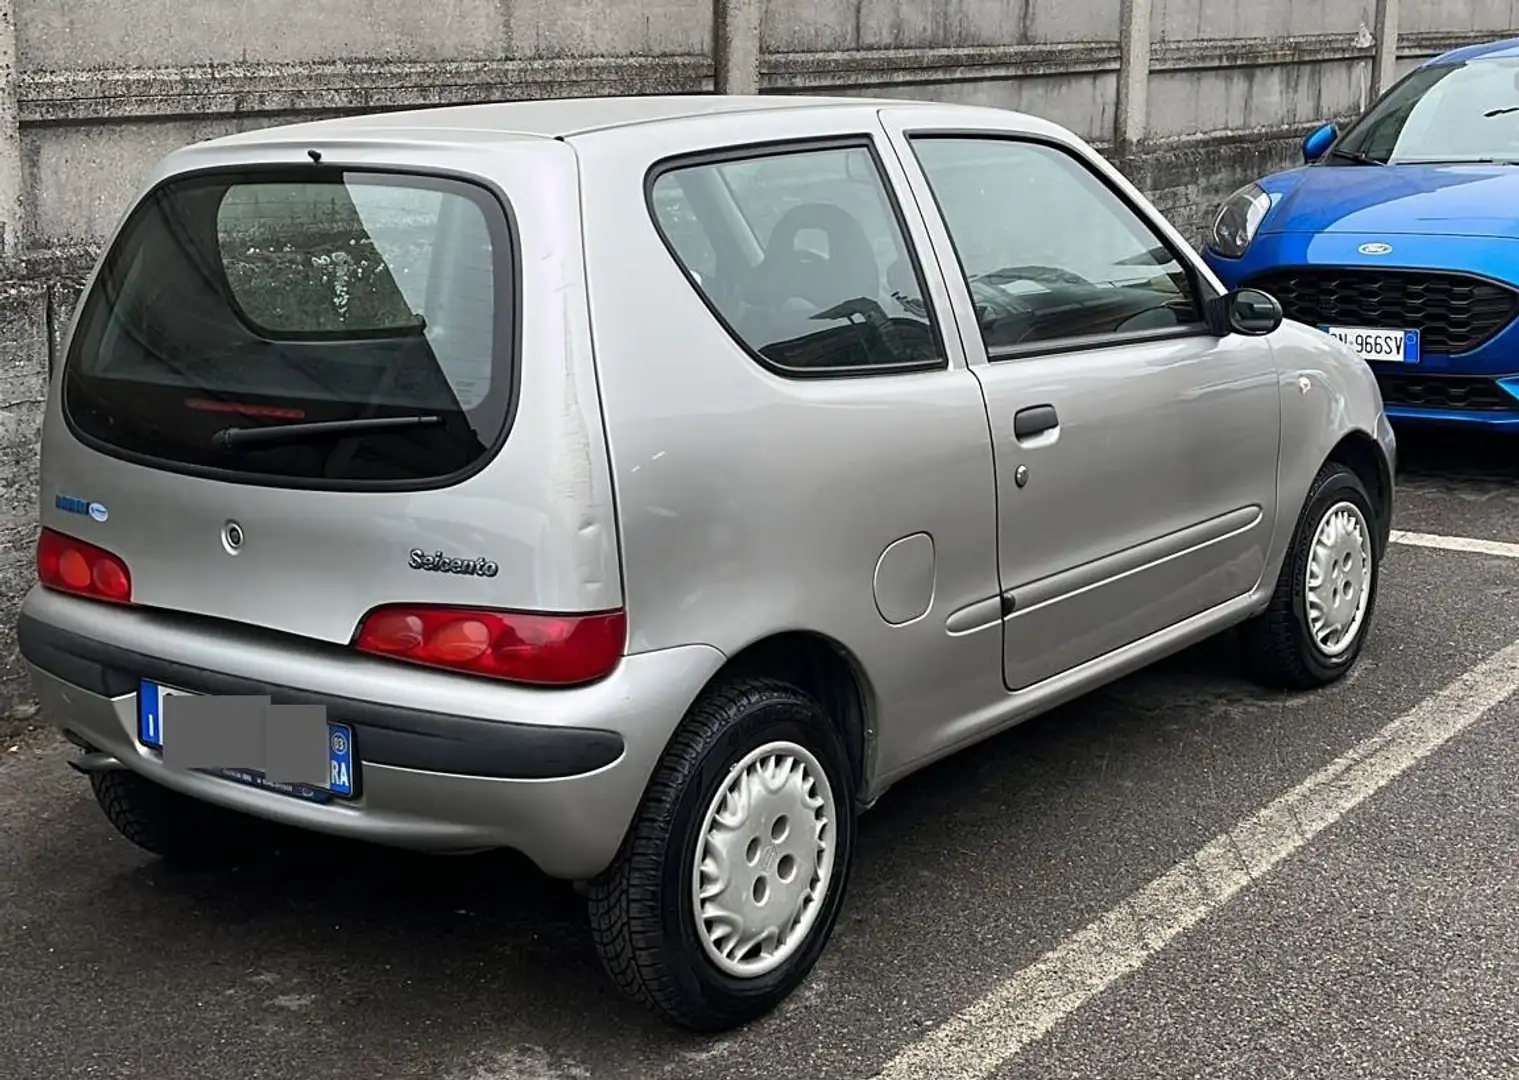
819, 25
1252, 99
554, 28
78, 181
1497, 17
1179, 20
56, 34
23, 387
71, 34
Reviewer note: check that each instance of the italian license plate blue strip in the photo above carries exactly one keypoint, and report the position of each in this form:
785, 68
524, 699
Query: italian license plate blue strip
340, 760
341, 766
150, 725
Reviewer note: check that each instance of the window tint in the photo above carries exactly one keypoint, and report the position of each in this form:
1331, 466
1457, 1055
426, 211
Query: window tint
1450, 112
1048, 250
251, 300
802, 255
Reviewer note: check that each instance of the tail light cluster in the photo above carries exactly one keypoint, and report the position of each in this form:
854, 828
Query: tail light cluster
544, 650
72, 566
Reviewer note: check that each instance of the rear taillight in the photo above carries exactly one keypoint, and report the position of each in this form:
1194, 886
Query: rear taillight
72, 566
544, 650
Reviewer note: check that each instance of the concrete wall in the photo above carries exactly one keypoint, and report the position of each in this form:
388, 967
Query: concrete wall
1192, 96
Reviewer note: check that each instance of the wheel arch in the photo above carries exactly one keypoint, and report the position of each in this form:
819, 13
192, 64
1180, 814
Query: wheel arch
827, 671
1360, 453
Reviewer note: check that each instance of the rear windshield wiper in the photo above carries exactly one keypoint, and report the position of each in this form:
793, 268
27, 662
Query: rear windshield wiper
235, 438
1355, 156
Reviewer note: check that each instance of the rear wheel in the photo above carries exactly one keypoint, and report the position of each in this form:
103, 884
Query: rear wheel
731, 878
176, 828
1322, 608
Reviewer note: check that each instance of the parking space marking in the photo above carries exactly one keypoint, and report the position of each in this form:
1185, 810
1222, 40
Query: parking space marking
1456, 543
975, 1042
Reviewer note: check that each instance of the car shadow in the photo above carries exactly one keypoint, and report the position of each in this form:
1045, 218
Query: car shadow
489, 936
1456, 454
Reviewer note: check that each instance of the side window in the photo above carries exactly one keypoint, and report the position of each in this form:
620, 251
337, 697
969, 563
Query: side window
802, 255
1050, 252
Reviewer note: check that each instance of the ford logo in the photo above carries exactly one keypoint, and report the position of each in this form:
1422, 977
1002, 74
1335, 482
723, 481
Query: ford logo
1375, 249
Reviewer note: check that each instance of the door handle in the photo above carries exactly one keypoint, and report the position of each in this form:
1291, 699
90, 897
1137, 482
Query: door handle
1034, 420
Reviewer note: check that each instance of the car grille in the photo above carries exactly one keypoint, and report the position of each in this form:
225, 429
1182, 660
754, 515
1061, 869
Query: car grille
1444, 392
1454, 313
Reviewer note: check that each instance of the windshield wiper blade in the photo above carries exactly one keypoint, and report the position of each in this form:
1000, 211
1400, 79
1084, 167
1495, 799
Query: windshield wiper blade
1458, 161
1355, 156
236, 438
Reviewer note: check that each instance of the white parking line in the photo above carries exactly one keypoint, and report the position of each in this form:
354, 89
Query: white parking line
1456, 543
1021, 1010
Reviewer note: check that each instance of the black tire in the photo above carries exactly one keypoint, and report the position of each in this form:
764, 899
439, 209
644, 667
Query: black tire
642, 918
182, 831
1280, 647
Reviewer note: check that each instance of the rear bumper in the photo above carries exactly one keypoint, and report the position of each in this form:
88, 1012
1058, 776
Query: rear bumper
447, 763
422, 740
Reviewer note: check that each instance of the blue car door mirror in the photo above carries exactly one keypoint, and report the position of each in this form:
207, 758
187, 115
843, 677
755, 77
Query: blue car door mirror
1319, 142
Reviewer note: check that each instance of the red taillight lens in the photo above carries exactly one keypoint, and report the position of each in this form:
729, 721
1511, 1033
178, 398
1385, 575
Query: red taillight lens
73, 566
544, 650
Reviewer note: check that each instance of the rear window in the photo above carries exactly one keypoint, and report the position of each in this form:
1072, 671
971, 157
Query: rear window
367, 314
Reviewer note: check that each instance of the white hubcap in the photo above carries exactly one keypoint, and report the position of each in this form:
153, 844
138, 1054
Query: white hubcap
764, 859
1338, 579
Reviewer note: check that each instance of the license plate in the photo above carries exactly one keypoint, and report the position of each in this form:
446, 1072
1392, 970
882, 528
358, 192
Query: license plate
1385, 346
342, 766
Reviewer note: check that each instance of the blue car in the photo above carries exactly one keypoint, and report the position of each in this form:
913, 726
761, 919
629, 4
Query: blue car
1400, 237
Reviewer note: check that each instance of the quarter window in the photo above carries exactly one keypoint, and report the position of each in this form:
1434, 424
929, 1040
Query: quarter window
802, 255
1050, 253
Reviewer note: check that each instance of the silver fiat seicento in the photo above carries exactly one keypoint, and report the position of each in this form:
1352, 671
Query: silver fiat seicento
648, 484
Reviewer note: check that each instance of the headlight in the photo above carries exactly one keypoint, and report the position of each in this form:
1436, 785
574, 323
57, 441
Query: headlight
1237, 220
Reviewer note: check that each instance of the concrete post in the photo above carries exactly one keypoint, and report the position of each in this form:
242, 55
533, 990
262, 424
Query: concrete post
1132, 120
735, 45
1385, 66
10, 135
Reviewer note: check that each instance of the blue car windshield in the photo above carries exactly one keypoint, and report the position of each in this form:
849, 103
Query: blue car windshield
1467, 112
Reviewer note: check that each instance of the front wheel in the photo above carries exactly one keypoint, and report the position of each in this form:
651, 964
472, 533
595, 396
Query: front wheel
1321, 611
731, 878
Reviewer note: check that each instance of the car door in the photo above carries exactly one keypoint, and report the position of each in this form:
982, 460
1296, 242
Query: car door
1135, 451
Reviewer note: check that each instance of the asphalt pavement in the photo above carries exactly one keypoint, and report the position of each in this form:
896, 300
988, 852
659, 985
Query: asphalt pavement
1379, 940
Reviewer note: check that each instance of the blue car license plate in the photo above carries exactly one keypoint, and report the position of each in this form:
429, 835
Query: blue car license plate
1378, 346
342, 765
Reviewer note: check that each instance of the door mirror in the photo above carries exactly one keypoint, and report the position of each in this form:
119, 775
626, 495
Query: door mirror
1244, 311
1319, 141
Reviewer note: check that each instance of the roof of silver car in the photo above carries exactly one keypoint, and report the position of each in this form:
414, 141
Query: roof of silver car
549, 118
